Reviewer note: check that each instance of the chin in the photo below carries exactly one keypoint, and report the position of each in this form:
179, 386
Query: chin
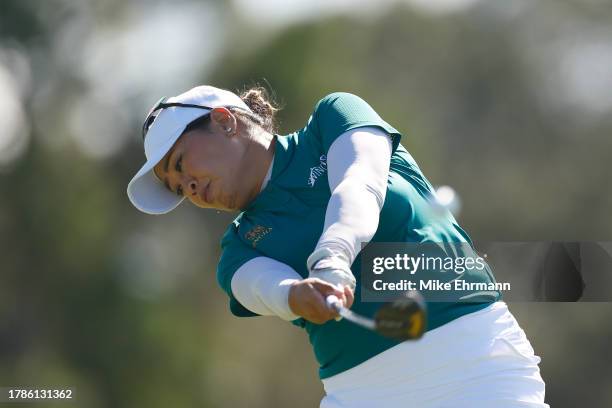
228, 204
201, 204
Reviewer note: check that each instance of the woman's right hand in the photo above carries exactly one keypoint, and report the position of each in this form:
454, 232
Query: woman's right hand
307, 299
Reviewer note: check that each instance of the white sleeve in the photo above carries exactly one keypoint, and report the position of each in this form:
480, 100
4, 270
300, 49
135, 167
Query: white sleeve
358, 170
262, 285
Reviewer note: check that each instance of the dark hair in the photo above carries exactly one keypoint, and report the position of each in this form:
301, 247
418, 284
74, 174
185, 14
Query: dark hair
257, 99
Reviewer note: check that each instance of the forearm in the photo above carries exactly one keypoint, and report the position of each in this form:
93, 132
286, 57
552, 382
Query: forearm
351, 218
262, 285
358, 167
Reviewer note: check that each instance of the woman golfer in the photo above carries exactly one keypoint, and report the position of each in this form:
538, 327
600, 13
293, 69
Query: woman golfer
306, 202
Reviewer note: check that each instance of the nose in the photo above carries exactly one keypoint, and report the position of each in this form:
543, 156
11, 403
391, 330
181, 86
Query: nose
192, 187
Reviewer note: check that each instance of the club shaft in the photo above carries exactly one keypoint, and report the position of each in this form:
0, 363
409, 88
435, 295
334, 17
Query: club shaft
334, 302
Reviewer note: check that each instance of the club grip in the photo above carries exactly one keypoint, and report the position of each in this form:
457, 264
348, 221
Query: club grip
333, 302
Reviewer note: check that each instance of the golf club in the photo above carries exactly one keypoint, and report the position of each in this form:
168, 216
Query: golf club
403, 319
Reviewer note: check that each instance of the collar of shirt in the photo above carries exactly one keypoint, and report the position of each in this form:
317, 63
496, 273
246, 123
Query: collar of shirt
283, 152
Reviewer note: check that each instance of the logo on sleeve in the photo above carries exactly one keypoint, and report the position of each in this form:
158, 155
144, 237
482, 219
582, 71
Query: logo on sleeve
256, 233
317, 171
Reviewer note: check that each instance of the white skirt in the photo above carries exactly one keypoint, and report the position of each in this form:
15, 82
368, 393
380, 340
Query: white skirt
482, 359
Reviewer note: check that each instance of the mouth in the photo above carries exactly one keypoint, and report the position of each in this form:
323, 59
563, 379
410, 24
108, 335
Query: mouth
232, 204
207, 195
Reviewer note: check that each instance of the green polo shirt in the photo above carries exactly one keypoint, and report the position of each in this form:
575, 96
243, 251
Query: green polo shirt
286, 219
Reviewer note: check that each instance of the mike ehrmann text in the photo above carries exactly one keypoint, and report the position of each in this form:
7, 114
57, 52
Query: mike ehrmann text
436, 285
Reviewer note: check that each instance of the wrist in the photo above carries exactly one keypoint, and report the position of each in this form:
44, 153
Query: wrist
291, 297
286, 289
330, 267
334, 255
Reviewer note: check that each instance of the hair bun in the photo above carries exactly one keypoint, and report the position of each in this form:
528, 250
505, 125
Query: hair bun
257, 99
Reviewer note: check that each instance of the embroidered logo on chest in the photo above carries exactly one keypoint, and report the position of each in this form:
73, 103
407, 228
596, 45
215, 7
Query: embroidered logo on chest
317, 171
256, 233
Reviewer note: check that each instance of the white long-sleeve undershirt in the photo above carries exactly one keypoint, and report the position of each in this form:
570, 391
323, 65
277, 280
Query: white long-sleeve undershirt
358, 168
262, 285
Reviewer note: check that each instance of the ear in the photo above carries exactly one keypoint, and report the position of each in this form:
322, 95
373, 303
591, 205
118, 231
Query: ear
223, 121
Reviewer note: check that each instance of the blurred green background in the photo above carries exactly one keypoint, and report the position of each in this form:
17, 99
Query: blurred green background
509, 102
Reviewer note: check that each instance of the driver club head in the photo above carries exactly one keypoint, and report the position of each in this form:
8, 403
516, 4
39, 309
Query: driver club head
404, 318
